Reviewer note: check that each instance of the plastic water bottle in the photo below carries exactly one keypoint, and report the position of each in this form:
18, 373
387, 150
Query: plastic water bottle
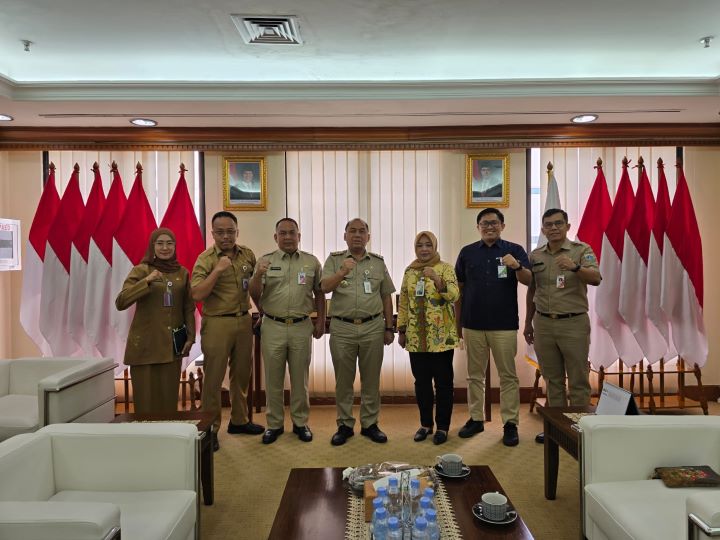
395, 532
419, 531
424, 506
379, 524
395, 505
377, 503
430, 494
382, 492
433, 528
414, 497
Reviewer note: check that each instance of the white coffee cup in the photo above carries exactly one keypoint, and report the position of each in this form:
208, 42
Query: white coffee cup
451, 464
494, 506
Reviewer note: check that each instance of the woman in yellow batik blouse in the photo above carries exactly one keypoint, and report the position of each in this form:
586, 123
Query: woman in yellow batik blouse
426, 329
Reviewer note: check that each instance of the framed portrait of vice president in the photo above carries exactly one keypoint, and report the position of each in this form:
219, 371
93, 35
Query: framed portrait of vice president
244, 183
487, 181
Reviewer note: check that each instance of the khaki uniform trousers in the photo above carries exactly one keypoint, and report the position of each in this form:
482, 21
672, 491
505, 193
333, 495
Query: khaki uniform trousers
289, 344
227, 343
503, 344
562, 346
155, 387
361, 343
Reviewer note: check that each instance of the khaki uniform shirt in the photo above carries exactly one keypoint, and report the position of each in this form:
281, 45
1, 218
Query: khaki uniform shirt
349, 298
289, 283
230, 293
571, 297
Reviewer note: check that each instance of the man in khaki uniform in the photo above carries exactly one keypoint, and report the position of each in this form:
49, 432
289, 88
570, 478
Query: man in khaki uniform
220, 280
286, 287
361, 310
557, 322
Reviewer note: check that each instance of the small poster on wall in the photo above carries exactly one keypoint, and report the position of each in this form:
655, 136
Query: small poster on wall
10, 245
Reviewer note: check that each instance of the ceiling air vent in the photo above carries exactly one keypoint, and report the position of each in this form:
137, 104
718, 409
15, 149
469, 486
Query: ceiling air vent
270, 30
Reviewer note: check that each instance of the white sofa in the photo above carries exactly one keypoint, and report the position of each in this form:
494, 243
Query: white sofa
35, 392
619, 455
95, 481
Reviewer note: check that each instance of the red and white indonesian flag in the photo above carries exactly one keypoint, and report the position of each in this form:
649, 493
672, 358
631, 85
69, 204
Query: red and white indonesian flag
180, 219
634, 273
54, 300
129, 244
608, 293
33, 263
653, 289
682, 278
592, 227
79, 264
99, 299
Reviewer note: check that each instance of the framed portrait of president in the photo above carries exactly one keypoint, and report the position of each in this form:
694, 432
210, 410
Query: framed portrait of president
244, 183
487, 181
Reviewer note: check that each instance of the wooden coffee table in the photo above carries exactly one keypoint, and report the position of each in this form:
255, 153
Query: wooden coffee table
204, 426
314, 506
559, 433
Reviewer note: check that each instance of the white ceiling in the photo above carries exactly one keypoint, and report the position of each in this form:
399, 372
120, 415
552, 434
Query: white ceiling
363, 62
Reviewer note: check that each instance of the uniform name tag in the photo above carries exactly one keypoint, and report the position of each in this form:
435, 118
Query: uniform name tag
420, 288
560, 281
168, 295
301, 278
367, 286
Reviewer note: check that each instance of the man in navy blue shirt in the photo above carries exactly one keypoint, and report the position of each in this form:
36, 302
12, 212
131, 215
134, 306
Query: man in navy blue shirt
488, 272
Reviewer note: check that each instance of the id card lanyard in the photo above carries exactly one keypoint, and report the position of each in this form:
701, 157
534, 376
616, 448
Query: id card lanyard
168, 294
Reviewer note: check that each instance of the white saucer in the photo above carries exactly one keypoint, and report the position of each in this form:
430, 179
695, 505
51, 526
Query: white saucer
510, 516
465, 472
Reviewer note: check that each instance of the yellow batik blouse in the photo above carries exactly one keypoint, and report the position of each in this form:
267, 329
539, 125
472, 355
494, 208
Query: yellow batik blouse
429, 320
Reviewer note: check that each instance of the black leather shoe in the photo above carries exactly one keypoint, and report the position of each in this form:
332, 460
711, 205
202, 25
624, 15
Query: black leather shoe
247, 429
374, 433
342, 435
421, 434
510, 434
271, 435
471, 428
440, 437
215, 443
540, 438
303, 433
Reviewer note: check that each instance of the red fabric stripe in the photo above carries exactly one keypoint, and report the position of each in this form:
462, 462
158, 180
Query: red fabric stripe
91, 217
136, 224
596, 215
642, 217
112, 212
662, 209
622, 209
67, 220
44, 216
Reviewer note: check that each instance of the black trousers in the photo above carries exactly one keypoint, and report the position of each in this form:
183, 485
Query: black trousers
438, 367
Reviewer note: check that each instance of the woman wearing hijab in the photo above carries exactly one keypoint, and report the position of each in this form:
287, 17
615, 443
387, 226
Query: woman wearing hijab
426, 328
160, 289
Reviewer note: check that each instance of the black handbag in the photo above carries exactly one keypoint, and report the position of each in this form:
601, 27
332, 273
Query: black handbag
179, 337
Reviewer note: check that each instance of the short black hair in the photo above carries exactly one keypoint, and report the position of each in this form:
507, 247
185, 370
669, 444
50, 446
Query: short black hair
223, 214
357, 219
551, 211
484, 212
291, 220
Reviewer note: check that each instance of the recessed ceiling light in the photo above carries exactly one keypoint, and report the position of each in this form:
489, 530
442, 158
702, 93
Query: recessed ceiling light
584, 118
6, 118
144, 122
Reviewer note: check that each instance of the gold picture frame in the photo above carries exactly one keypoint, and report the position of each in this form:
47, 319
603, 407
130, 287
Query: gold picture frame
487, 181
244, 183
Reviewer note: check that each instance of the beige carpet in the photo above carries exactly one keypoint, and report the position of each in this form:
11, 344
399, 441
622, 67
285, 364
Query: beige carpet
250, 477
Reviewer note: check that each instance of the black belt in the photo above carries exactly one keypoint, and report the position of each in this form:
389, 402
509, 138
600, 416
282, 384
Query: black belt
289, 320
358, 321
238, 314
559, 315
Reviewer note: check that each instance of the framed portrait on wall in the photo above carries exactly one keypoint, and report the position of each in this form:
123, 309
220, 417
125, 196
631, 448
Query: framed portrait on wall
487, 181
244, 183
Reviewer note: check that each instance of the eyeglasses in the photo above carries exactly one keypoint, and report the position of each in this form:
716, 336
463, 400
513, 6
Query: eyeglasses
488, 224
553, 224
224, 232
162, 244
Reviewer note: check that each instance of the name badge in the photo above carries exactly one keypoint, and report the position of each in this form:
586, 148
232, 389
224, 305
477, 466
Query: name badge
168, 295
560, 281
367, 286
420, 288
245, 284
502, 272
301, 278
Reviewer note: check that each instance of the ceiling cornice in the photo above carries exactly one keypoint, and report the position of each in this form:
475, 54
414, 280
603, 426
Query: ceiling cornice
352, 90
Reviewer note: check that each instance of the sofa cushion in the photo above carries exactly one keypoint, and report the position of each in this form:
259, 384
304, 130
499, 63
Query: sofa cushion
639, 509
25, 373
57, 520
26, 470
18, 414
146, 514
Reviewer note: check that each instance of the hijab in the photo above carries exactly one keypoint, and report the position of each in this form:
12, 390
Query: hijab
166, 266
416, 264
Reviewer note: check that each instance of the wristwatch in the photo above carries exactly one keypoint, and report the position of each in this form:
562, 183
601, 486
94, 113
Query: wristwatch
577, 268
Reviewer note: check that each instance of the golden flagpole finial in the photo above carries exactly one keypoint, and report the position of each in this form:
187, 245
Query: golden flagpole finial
51, 166
138, 168
76, 168
182, 168
114, 167
660, 162
95, 167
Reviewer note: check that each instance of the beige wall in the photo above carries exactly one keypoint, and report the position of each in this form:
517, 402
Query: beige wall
20, 186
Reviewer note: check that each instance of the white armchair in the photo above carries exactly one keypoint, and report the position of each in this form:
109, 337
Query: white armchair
97, 481
619, 455
35, 392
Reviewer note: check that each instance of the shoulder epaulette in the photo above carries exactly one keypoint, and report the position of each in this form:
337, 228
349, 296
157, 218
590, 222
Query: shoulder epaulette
336, 253
375, 255
268, 255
